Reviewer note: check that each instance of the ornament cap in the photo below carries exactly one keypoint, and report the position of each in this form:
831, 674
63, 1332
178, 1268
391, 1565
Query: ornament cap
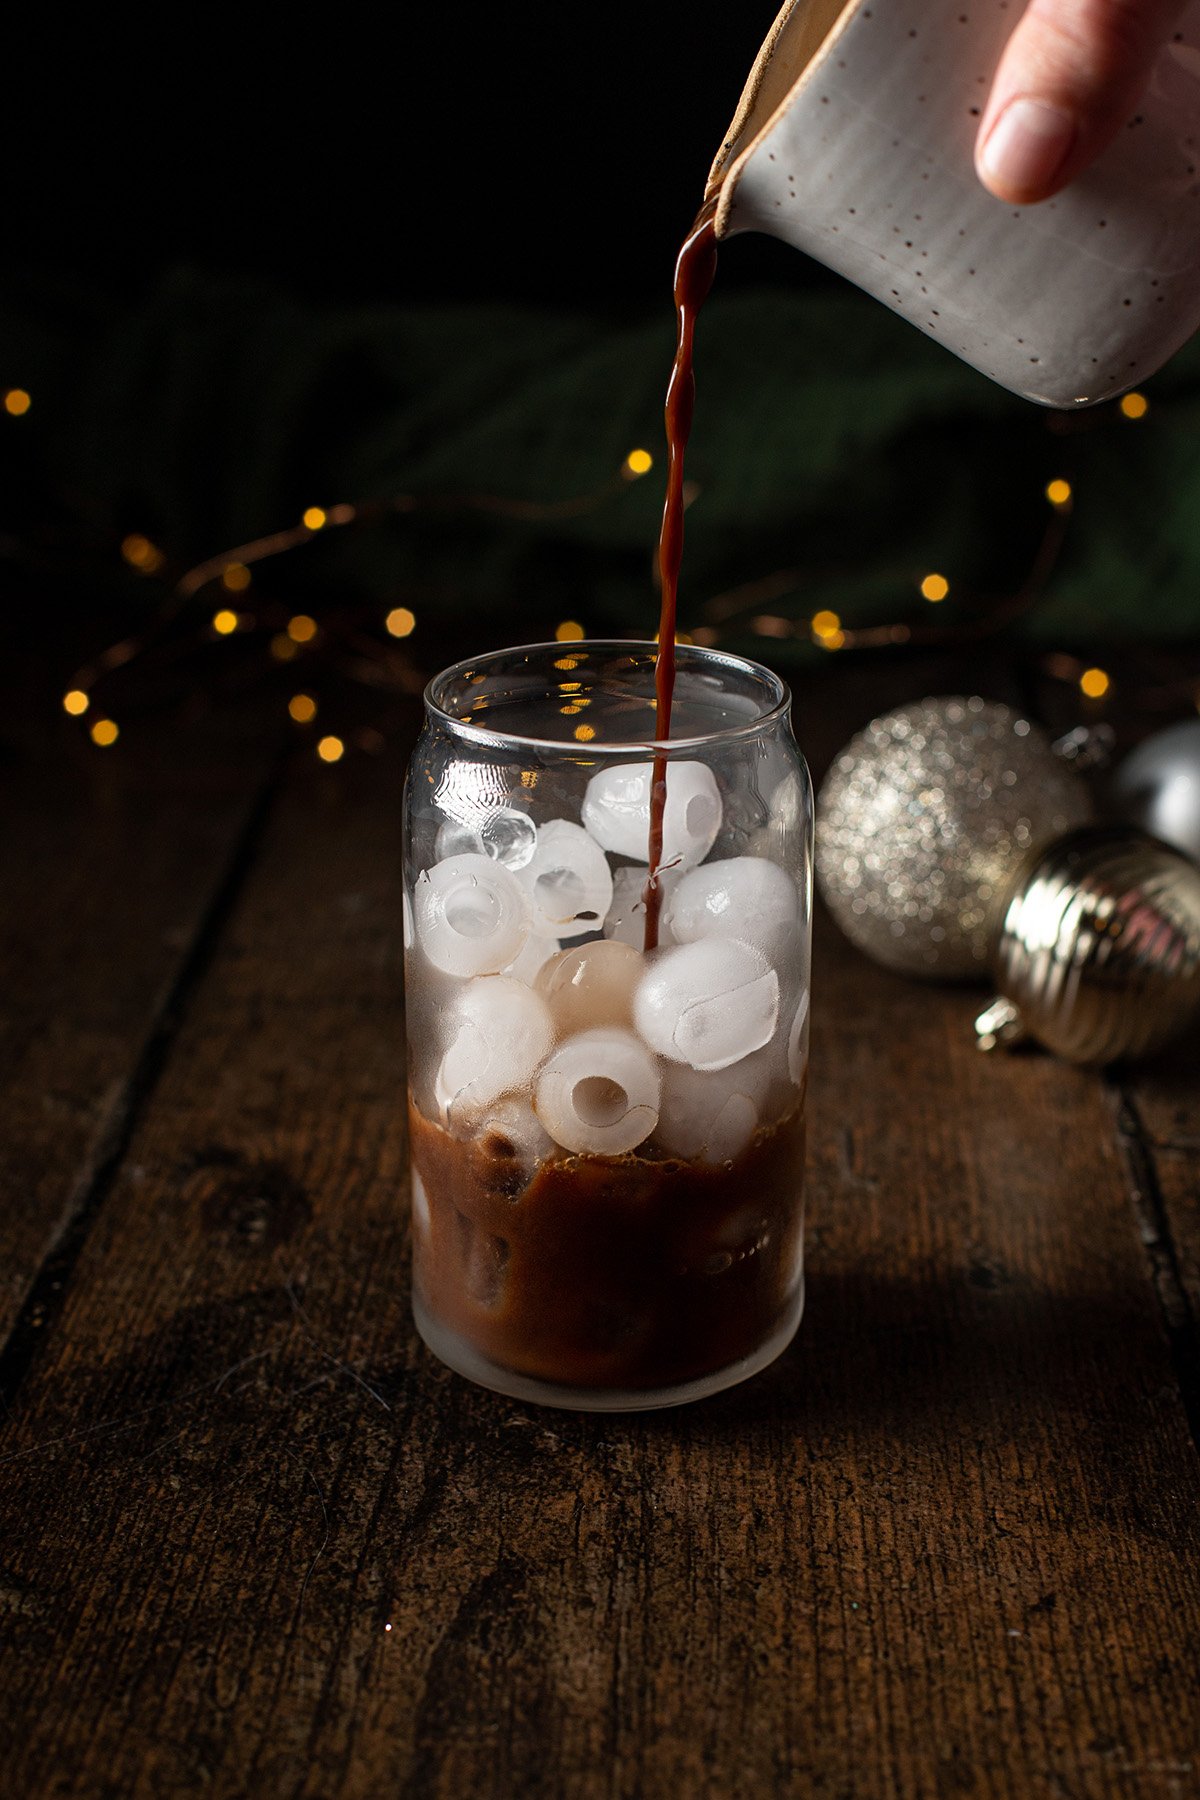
999, 1026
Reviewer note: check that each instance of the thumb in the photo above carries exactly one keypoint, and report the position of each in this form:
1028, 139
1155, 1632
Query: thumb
1071, 76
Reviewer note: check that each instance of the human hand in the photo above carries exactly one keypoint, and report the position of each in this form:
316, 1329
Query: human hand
1070, 78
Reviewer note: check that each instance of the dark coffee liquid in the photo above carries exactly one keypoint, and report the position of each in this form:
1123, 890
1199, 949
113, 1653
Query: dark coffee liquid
603, 1271
694, 273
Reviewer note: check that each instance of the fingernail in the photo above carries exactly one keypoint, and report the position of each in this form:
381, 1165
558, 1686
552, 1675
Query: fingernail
1026, 147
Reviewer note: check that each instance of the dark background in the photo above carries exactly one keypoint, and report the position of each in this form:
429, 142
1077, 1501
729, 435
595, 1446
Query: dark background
414, 153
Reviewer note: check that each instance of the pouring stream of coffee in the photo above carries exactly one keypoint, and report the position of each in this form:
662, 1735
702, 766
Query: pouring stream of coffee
694, 273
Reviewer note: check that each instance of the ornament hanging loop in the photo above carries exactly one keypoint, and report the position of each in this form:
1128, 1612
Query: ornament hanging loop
999, 1026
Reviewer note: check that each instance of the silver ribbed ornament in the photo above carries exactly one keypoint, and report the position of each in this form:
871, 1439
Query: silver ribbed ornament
923, 820
1097, 948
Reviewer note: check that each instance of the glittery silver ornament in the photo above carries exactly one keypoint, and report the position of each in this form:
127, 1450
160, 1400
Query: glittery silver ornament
923, 819
1097, 948
1158, 787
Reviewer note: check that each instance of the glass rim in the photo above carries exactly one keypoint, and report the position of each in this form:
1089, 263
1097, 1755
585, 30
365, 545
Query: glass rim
486, 735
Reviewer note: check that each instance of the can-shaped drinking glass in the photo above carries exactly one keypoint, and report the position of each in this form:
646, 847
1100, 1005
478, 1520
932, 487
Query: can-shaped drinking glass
607, 1067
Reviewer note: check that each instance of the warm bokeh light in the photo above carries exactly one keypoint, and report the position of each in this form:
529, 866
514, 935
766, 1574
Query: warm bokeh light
302, 629
400, 622
282, 647
235, 578
331, 749
313, 517
104, 733
17, 402
303, 708
141, 554
639, 462
585, 733
1135, 406
225, 621
1095, 683
1058, 492
832, 640
568, 662
569, 632
75, 702
825, 624
934, 587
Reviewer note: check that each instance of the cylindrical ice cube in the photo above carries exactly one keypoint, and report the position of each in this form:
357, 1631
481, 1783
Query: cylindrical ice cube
471, 916
626, 921
591, 984
739, 896
599, 1093
511, 1128
708, 1003
711, 1117
497, 1032
567, 881
616, 811
533, 957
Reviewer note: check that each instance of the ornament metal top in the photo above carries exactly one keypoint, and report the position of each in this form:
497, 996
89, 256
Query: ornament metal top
923, 820
1097, 948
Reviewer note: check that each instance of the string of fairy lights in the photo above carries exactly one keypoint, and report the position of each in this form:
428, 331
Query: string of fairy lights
220, 595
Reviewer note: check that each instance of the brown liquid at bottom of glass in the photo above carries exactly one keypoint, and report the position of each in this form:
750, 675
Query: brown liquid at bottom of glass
625, 1272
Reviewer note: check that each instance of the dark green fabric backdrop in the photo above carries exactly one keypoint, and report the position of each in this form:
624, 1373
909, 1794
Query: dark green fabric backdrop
830, 438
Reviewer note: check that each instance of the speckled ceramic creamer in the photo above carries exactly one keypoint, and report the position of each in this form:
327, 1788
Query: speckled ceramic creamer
854, 140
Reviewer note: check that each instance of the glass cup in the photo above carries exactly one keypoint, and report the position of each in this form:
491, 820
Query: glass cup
607, 1140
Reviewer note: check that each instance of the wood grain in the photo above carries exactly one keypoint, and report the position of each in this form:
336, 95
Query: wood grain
256, 1541
115, 863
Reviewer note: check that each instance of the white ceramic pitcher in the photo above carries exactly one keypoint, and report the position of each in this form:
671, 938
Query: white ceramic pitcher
854, 141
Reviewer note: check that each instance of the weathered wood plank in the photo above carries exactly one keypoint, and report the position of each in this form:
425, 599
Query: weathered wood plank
113, 861
948, 1545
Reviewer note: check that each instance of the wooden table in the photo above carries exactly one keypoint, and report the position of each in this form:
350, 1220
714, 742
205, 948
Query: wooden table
254, 1540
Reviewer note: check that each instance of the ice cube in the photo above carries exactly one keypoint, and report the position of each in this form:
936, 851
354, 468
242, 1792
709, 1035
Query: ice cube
497, 1031
534, 956
567, 881
616, 811
626, 921
599, 1093
740, 896
797, 1044
511, 1129
456, 839
504, 834
591, 984
471, 915
709, 1003
711, 1117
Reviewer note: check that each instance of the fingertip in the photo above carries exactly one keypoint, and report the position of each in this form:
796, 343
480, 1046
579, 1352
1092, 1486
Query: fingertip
1022, 154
